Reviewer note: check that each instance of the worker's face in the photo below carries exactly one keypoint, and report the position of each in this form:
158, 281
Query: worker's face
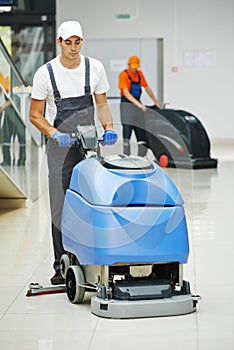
70, 48
133, 70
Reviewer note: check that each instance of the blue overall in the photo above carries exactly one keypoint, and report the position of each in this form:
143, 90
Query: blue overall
61, 160
132, 119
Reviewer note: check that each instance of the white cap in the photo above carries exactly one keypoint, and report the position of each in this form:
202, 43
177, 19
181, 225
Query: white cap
70, 28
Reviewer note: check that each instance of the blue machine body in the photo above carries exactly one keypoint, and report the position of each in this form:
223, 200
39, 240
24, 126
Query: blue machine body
123, 214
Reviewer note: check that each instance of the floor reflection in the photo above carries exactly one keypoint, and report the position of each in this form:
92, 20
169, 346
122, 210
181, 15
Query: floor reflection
26, 176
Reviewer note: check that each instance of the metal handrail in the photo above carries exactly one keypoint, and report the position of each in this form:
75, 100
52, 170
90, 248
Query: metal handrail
35, 134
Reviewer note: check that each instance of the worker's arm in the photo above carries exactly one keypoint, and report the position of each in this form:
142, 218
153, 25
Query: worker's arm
151, 95
37, 118
103, 111
132, 99
105, 117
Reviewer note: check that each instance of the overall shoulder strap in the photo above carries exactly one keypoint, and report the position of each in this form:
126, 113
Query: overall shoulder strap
139, 77
87, 76
53, 82
128, 75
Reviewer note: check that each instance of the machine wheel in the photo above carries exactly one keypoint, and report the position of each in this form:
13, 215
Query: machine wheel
75, 277
64, 264
186, 287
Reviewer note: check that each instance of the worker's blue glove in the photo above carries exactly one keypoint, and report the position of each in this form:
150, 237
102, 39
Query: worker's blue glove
64, 140
109, 137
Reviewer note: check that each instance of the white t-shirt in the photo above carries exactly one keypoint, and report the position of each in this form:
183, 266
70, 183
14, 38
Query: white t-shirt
70, 82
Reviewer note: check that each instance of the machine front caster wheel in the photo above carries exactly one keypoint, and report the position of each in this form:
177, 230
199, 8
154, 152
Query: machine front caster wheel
74, 281
186, 287
64, 264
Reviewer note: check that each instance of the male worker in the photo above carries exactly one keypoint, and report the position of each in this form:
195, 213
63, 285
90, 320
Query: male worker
67, 84
132, 111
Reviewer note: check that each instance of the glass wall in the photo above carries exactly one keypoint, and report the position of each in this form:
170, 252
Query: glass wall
26, 45
28, 33
20, 141
27, 40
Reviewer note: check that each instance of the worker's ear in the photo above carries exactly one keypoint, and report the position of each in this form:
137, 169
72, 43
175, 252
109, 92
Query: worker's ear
58, 41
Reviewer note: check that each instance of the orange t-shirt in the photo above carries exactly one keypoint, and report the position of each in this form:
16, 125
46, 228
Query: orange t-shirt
125, 82
5, 82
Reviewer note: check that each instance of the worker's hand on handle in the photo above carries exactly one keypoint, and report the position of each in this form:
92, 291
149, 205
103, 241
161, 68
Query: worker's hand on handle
63, 140
109, 137
143, 107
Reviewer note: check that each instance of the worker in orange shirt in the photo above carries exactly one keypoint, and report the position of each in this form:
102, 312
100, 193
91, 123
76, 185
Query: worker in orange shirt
132, 111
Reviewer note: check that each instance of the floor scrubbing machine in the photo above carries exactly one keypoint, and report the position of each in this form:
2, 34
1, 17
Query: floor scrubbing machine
178, 136
125, 234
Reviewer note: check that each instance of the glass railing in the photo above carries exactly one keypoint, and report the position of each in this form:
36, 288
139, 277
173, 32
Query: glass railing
20, 141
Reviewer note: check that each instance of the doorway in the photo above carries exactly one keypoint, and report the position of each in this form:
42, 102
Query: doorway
114, 54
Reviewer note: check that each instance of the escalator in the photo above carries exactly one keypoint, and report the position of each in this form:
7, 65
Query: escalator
20, 142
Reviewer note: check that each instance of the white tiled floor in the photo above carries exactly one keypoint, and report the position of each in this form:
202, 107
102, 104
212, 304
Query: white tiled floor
51, 322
